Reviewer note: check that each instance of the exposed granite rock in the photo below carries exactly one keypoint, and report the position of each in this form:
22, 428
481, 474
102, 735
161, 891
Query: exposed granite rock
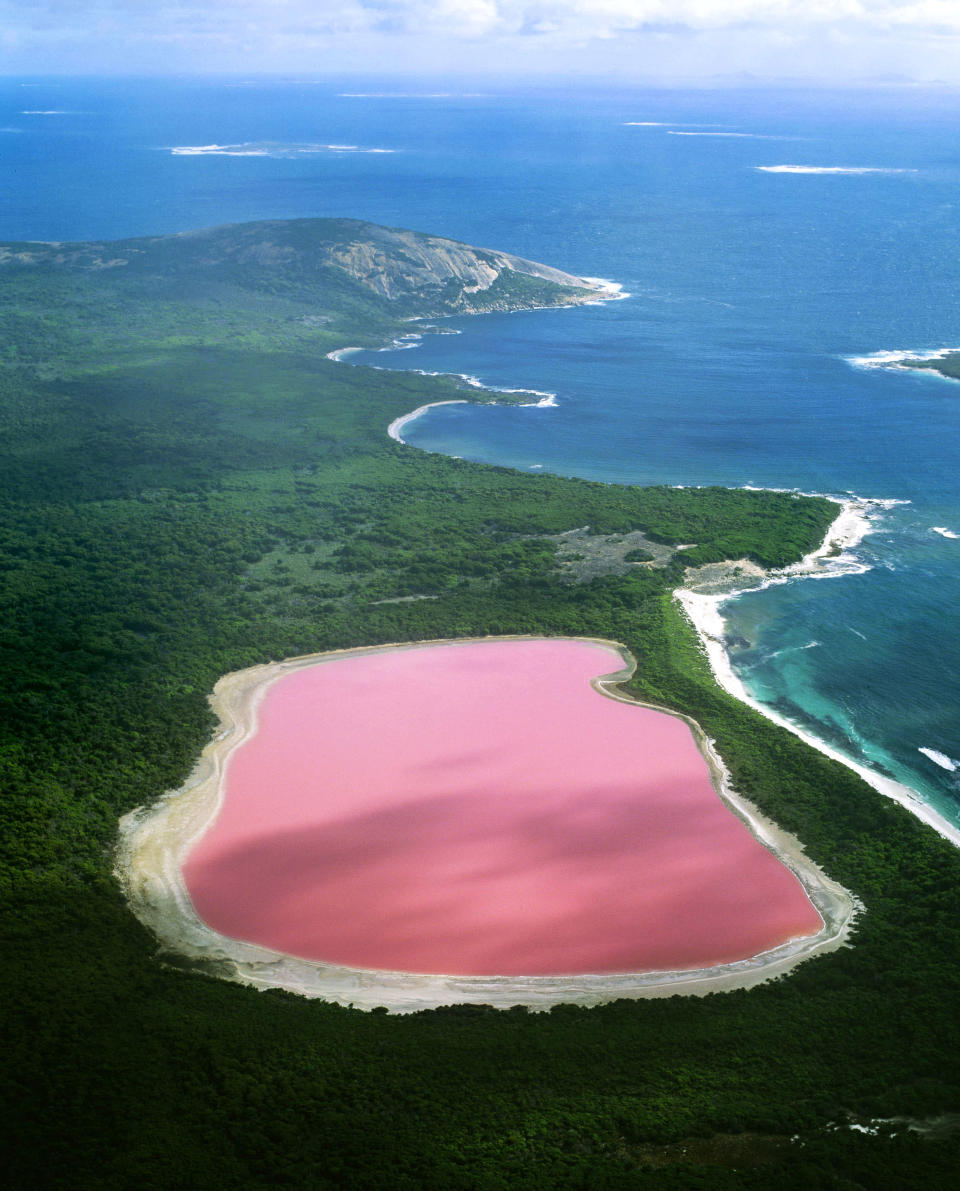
409, 270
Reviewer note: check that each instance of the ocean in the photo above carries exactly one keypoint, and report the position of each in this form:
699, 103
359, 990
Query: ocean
772, 243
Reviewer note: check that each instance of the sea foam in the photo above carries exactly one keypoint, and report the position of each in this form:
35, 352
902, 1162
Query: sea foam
831, 169
895, 360
411, 95
266, 149
611, 291
943, 531
753, 136
664, 124
940, 759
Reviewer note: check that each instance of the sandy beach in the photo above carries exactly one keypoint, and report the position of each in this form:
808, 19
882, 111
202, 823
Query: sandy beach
706, 591
155, 841
397, 425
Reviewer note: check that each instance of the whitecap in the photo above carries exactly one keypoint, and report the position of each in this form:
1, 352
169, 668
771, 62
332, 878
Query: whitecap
943, 531
831, 169
753, 136
403, 343
940, 759
266, 149
411, 95
665, 124
790, 649
544, 400
612, 291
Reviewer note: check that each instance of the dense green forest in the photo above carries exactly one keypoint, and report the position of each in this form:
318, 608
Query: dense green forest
947, 365
189, 487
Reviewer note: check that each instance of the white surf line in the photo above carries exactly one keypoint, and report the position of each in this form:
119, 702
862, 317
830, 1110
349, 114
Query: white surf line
703, 611
609, 291
752, 136
832, 169
155, 841
894, 360
940, 759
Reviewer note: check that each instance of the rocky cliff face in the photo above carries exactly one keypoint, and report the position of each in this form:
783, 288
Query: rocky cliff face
406, 269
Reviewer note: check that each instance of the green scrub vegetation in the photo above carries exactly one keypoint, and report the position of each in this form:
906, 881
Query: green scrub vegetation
947, 365
190, 487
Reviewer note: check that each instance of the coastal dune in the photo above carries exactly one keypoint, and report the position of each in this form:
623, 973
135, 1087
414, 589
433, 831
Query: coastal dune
509, 888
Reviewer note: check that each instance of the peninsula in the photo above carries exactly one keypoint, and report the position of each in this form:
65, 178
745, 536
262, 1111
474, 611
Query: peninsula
191, 489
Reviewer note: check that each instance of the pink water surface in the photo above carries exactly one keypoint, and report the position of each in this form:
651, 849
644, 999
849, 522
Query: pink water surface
480, 809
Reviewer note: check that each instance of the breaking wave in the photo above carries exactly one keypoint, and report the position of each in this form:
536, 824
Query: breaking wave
752, 136
940, 759
267, 149
895, 360
831, 169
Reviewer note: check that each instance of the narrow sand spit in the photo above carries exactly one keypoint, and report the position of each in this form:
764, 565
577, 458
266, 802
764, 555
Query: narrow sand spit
154, 843
397, 426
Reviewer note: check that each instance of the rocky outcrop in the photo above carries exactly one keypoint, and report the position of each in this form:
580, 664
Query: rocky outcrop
397, 264
405, 269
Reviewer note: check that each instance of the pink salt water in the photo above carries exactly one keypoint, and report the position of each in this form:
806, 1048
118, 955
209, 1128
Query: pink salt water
480, 809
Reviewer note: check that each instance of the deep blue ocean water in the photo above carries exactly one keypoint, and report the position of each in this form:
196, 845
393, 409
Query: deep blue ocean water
730, 362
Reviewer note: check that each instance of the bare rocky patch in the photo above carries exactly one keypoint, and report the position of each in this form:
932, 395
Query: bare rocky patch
582, 555
718, 578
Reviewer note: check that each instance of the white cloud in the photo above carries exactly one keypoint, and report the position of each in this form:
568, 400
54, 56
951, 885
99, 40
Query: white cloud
479, 35
470, 18
586, 18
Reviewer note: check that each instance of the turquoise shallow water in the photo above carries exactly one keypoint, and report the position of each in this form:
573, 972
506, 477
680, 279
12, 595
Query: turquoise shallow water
730, 363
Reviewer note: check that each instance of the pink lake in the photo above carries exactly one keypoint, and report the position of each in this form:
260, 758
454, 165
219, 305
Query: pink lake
480, 809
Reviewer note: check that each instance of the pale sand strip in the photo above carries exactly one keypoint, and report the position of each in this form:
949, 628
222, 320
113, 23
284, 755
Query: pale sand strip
706, 593
404, 420
154, 842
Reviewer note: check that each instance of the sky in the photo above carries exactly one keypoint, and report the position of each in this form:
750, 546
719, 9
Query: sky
647, 41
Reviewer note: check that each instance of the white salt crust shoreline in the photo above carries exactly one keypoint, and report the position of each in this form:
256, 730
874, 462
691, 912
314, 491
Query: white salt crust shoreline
154, 842
851, 525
